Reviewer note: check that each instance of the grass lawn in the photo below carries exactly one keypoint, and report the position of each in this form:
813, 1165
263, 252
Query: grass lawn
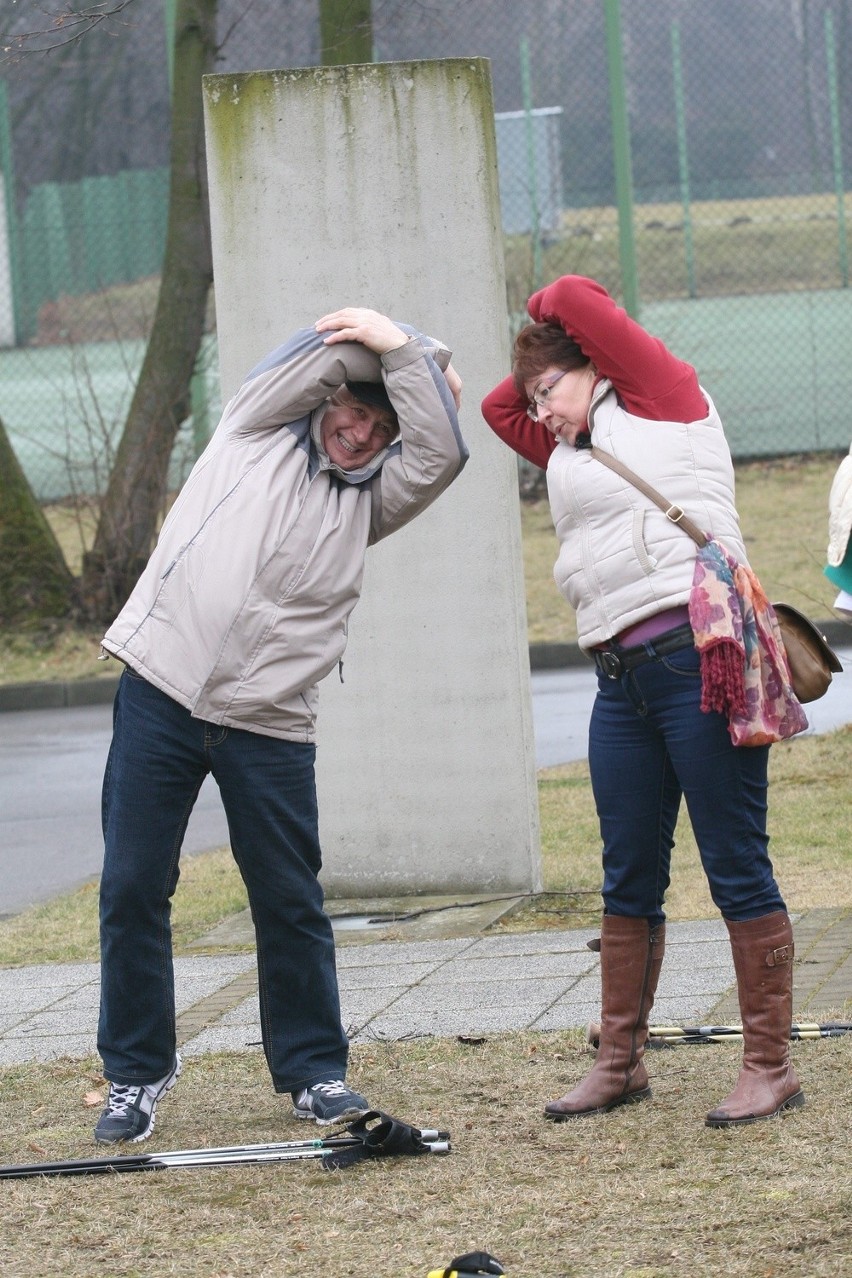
644, 1192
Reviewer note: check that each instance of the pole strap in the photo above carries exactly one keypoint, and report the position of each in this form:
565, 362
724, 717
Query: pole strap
378, 1135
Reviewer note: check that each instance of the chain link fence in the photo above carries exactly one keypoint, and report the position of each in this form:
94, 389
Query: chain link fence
691, 156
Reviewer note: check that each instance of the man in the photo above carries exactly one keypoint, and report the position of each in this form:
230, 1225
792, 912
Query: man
241, 610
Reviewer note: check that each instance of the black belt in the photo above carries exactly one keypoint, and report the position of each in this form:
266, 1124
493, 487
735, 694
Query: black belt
615, 661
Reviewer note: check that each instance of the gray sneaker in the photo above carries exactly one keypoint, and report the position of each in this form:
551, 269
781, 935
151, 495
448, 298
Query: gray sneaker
131, 1110
330, 1102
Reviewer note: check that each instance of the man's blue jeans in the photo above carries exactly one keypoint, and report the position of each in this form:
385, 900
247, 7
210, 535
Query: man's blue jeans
649, 746
159, 757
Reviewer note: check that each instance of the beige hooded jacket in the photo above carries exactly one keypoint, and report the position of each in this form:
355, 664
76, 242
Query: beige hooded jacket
244, 604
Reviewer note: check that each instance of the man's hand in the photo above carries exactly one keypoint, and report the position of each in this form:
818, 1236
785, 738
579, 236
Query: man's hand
357, 324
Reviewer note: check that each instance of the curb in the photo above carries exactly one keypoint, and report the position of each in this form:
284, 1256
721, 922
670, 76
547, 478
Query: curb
99, 692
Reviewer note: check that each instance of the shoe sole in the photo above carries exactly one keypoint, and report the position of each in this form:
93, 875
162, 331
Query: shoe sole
355, 1112
792, 1102
633, 1099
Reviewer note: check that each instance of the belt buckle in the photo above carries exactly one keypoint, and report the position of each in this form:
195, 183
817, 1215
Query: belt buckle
610, 664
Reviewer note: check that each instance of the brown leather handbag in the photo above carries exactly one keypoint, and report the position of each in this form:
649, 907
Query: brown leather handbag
812, 659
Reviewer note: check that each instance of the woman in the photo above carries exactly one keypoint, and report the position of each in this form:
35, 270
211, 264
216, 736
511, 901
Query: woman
585, 371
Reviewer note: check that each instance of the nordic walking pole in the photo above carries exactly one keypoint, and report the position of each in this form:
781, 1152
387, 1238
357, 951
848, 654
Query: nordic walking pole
670, 1035
385, 1138
163, 1162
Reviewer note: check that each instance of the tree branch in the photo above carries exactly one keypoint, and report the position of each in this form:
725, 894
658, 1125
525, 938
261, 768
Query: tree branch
64, 27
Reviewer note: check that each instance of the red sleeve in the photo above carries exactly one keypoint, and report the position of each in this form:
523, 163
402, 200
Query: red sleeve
506, 413
652, 382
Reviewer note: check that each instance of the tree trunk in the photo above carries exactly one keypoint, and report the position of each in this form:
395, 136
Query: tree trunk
137, 487
346, 31
35, 583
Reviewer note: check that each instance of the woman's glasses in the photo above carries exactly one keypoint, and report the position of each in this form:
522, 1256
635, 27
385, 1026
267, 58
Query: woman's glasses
542, 394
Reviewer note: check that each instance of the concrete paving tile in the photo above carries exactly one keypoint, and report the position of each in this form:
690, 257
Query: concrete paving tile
222, 1038
711, 981
695, 931
47, 976
710, 953
359, 1006
26, 1002
567, 1014
485, 984
226, 966
245, 1013
555, 942
55, 1024
447, 1024
401, 953
385, 974
512, 967
15, 1051
480, 997
84, 998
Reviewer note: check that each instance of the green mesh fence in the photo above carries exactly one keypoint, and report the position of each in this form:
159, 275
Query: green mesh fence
693, 157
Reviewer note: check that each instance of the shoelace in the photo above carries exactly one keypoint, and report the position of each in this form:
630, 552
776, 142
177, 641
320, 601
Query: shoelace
121, 1096
335, 1087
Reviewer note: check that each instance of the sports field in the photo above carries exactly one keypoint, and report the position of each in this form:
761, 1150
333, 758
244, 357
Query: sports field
64, 407
768, 360
769, 330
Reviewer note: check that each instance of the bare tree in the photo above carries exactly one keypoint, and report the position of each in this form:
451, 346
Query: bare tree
136, 493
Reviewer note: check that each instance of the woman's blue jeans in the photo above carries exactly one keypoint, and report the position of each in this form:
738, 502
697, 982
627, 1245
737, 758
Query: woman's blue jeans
649, 745
159, 757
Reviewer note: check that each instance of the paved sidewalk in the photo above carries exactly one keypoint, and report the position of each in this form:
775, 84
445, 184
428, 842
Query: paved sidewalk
476, 984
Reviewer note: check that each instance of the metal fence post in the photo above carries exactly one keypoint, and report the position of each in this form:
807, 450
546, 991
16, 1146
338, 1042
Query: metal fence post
7, 165
836, 146
532, 174
621, 158
683, 157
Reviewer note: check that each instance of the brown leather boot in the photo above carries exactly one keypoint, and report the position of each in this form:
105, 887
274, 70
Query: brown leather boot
763, 960
631, 958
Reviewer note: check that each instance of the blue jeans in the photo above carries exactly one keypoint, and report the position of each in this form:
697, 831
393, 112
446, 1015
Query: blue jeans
649, 745
159, 757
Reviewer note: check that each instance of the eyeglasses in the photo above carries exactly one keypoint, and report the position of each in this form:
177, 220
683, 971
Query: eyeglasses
542, 394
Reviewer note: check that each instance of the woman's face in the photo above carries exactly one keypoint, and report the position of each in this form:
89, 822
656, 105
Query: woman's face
561, 401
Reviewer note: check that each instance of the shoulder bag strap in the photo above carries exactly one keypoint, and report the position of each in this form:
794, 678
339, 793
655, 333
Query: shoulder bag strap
672, 512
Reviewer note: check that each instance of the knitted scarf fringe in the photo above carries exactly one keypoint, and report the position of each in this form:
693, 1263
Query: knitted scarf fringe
723, 678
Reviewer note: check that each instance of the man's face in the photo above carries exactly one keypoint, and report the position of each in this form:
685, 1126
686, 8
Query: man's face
353, 433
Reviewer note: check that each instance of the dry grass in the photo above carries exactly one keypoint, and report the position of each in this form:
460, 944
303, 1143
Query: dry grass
644, 1192
747, 246
65, 929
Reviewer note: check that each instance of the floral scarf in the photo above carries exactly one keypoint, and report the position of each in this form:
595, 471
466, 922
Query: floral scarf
744, 670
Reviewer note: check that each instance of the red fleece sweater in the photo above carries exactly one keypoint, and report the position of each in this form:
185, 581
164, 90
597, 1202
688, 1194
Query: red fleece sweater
650, 381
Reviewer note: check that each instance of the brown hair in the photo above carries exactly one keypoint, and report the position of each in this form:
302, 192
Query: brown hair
538, 346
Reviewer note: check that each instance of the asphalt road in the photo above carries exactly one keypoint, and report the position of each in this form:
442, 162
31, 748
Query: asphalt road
52, 761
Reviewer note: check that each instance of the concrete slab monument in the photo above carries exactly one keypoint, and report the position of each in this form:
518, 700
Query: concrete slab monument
377, 186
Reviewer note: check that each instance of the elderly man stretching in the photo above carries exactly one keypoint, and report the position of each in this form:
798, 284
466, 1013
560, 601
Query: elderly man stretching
241, 610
